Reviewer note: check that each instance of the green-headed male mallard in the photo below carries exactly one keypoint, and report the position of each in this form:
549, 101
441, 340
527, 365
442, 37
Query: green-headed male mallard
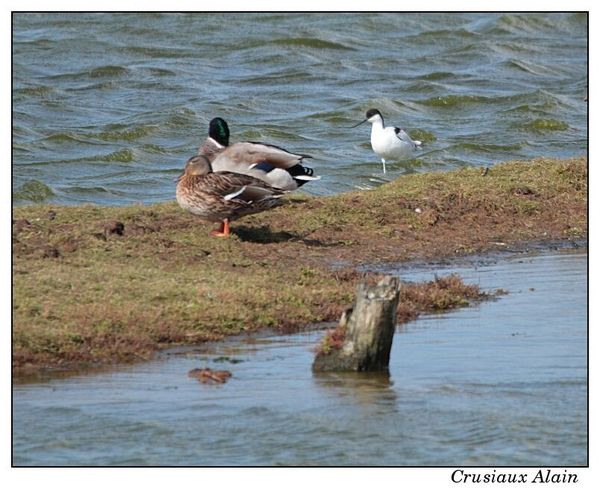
217, 139
276, 166
222, 196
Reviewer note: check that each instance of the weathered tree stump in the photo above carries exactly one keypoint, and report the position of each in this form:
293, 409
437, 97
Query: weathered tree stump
363, 339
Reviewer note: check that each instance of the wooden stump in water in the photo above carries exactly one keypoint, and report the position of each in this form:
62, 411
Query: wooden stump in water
363, 339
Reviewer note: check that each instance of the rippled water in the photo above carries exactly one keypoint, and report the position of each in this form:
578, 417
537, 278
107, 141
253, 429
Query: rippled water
107, 107
501, 383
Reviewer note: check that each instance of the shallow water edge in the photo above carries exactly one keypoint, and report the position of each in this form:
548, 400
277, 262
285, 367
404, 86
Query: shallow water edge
455, 263
501, 383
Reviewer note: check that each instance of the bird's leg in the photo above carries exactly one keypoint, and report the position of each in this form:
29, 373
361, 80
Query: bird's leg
223, 230
383, 161
219, 230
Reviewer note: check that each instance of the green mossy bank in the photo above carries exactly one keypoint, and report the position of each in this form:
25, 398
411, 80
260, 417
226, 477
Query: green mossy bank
97, 285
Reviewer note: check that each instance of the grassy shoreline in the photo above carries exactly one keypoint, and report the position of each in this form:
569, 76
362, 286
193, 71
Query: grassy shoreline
95, 285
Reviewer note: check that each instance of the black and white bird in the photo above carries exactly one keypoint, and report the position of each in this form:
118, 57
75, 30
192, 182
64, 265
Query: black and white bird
389, 143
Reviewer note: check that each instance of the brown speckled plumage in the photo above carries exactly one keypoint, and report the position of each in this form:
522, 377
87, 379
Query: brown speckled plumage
211, 195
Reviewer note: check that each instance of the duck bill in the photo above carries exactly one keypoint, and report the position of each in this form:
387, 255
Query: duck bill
356, 125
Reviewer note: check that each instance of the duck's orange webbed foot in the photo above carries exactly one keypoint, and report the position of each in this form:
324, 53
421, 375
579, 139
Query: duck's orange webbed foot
223, 230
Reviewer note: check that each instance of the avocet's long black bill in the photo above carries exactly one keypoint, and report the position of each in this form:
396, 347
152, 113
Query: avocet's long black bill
356, 125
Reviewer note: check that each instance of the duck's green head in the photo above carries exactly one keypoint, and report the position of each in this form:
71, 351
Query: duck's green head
219, 131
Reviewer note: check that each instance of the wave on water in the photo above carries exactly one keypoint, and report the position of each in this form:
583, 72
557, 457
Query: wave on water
125, 156
161, 72
73, 76
521, 24
181, 118
422, 135
119, 132
310, 42
294, 42
160, 52
154, 149
456, 100
281, 135
115, 133
437, 75
484, 148
36, 91
43, 43
437, 34
541, 108
537, 68
34, 191
541, 125
91, 190
287, 75
108, 71
66, 138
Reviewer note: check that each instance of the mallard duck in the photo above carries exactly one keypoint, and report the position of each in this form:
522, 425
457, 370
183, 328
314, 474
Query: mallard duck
274, 165
389, 143
222, 196
217, 139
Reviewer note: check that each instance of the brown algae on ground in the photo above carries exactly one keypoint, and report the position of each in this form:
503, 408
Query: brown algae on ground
96, 285
440, 294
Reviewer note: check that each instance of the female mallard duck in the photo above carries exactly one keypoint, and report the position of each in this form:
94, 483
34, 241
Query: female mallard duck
276, 166
222, 196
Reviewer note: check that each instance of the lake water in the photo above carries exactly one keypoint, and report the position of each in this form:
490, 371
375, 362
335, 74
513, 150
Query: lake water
500, 383
108, 107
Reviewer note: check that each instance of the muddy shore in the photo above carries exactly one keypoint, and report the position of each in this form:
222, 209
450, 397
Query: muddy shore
96, 285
